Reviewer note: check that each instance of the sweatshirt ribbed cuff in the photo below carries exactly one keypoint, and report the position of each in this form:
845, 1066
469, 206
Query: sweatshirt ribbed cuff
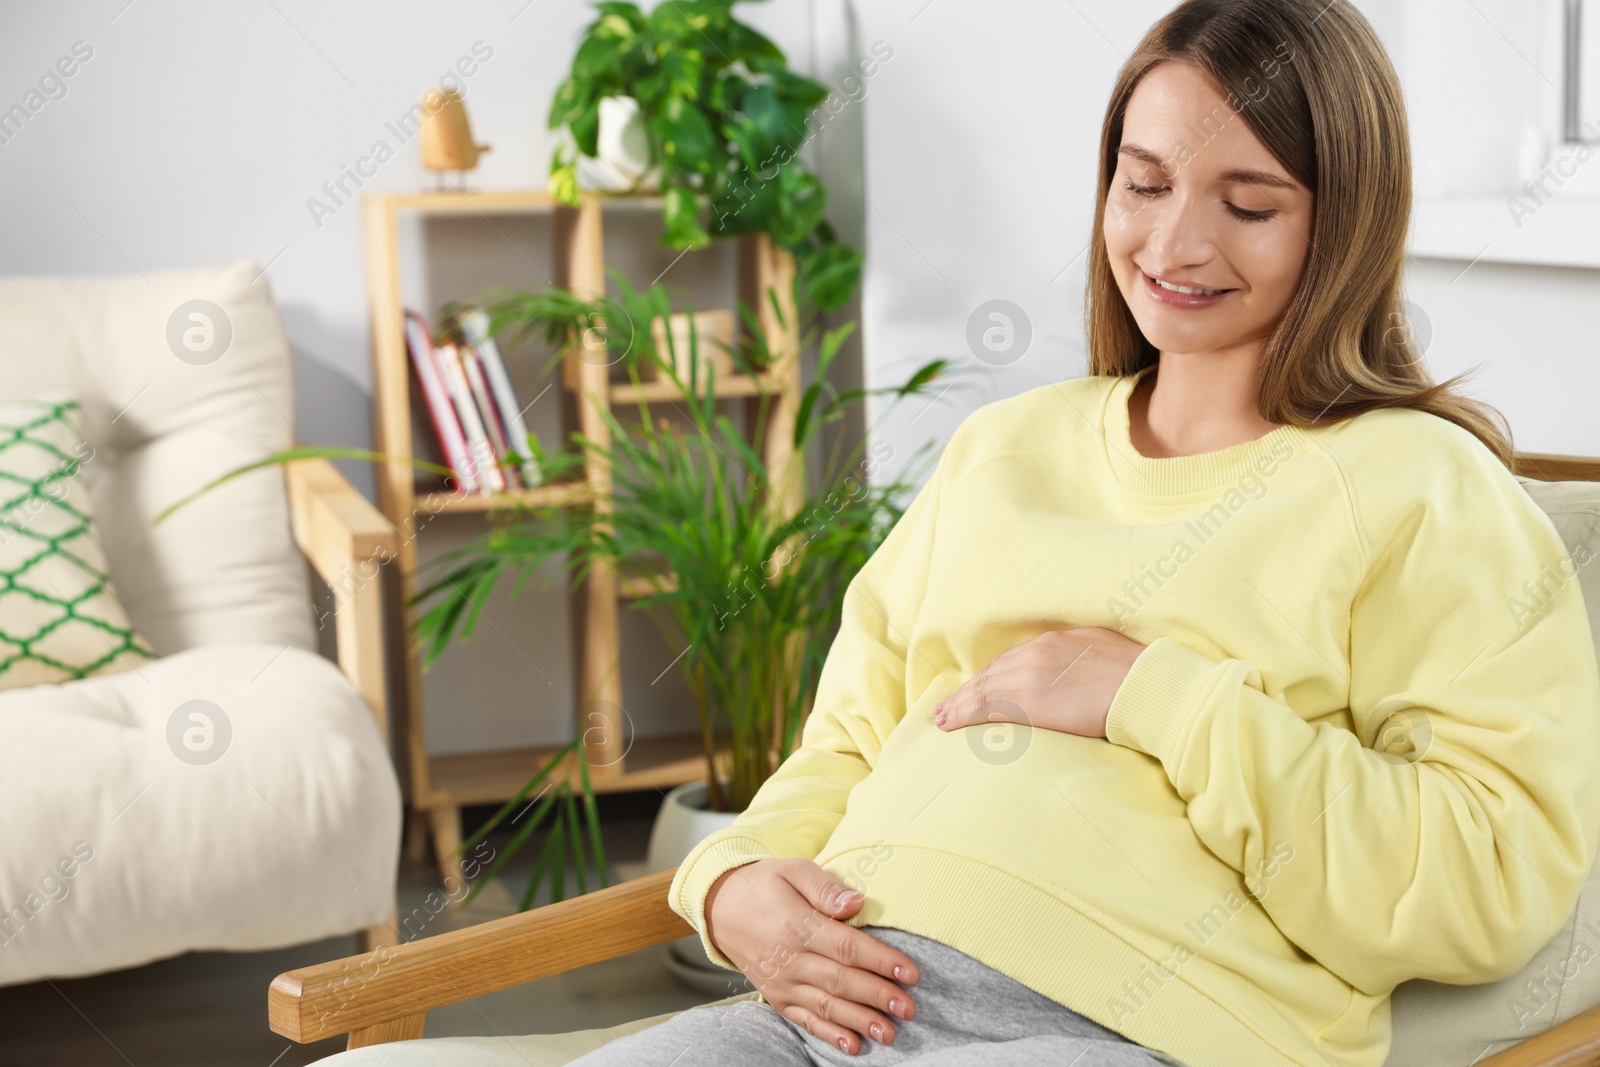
1152, 708
704, 865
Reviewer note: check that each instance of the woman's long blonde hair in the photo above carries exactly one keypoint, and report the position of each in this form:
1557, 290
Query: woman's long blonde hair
1314, 84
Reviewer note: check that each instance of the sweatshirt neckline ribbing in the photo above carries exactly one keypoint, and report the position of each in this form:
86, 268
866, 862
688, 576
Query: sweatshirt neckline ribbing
1180, 476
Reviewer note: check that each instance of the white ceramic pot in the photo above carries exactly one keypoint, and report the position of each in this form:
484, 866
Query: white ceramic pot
681, 824
622, 149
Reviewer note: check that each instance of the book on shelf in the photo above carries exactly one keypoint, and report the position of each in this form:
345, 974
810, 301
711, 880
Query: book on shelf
473, 365
436, 394
475, 325
485, 465
473, 406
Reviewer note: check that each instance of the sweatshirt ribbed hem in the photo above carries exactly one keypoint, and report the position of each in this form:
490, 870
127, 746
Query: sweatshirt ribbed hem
1092, 967
1151, 709
703, 866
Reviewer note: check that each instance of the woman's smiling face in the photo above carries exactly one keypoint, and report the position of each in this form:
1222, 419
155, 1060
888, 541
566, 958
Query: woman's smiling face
1198, 201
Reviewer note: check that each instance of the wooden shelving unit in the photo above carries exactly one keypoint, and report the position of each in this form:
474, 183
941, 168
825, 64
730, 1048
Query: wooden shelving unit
438, 786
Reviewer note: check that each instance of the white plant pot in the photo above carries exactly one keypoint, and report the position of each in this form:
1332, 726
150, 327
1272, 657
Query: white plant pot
681, 824
622, 160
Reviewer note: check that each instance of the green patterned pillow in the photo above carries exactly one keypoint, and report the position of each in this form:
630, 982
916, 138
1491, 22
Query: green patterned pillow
59, 616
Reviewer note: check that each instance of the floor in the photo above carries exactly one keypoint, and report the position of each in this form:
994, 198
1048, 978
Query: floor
208, 1009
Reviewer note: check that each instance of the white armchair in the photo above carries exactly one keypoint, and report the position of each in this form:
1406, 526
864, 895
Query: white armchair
288, 829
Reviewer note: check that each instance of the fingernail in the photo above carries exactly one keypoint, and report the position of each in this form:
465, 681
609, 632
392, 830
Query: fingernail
938, 718
844, 1045
939, 705
895, 1007
876, 1030
850, 896
900, 974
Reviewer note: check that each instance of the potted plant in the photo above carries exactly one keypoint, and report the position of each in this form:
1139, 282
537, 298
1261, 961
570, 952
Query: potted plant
754, 591
712, 108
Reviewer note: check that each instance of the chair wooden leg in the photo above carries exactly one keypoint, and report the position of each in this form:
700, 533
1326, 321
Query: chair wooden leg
416, 837
446, 841
381, 935
408, 1028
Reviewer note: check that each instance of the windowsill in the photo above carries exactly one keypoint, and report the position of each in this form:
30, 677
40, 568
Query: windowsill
1565, 232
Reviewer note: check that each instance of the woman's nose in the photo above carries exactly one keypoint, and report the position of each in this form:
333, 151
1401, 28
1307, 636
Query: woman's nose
1179, 235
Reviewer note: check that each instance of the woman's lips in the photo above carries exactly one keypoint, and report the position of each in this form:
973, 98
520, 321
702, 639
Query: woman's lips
1187, 301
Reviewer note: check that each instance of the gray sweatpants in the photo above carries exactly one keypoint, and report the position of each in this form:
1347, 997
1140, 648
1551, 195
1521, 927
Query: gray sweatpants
968, 1015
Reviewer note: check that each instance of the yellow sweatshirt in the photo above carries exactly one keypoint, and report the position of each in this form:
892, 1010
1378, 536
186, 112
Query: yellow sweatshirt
1359, 746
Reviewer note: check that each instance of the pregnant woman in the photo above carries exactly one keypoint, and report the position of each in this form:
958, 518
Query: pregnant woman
1195, 703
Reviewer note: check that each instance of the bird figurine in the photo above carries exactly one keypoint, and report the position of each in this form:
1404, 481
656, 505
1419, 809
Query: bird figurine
447, 142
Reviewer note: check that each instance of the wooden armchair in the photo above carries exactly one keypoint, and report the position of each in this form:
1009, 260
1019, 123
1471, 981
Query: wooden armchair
384, 995
395, 987
341, 536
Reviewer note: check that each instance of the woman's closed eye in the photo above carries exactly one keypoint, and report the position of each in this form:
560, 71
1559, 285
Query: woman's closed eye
1242, 214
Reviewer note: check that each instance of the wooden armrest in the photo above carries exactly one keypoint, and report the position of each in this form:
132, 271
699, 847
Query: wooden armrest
347, 541
333, 524
383, 995
1575, 1043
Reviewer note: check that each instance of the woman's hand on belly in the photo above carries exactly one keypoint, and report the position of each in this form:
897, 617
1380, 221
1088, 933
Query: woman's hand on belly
1062, 680
779, 920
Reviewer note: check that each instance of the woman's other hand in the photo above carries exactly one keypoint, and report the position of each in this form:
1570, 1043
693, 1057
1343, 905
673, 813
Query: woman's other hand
779, 920
1062, 680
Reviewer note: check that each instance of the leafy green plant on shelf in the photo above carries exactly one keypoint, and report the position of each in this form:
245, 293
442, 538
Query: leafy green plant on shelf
724, 118
755, 586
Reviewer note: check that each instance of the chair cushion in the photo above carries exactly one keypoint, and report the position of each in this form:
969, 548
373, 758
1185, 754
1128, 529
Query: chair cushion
180, 376
1436, 1024
536, 1050
227, 797
59, 614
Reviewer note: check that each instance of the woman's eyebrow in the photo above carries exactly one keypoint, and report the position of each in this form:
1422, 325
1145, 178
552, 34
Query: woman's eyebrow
1242, 175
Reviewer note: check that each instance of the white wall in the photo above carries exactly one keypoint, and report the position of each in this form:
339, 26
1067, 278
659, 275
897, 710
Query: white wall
981, 147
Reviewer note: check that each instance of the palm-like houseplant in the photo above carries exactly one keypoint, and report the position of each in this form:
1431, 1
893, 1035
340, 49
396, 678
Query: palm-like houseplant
755, 587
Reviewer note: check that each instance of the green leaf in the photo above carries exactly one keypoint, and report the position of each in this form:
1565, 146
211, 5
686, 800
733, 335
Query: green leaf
759, 53
804, 199
830, 273
619, 20
586, 129
683, 69
829, 348
599, 58
802, 419
563, 184
558, 876
722, 92
592, 818
684, 135
747, 138
768, 126
575, 838
796, 89
513, 846
571, 100
290, 455
679, 212
546, 853
511, 805
925, 374
691, 21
